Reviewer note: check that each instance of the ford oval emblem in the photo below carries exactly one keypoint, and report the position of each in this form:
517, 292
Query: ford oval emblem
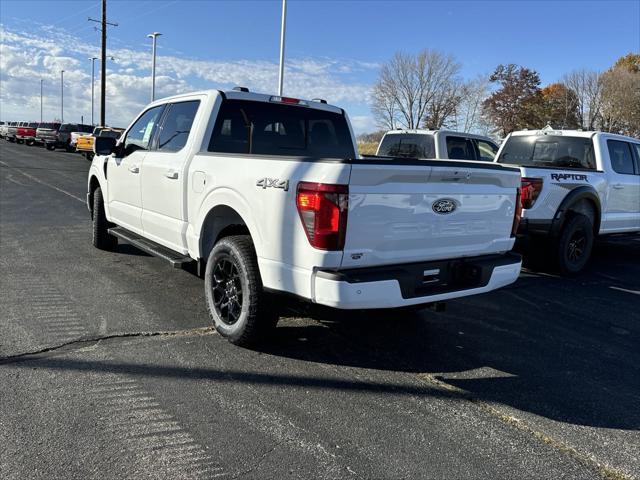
443, 206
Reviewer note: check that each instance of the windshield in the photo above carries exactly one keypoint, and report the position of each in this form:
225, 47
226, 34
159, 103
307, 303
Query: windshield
276, 129
549, 151
409, 145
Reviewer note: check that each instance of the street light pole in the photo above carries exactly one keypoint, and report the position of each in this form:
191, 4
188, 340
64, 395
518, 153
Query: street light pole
282, 31
41, 100
93, 62
61, 96
153, 36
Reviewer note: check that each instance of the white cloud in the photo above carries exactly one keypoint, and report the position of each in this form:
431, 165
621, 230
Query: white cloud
27, 57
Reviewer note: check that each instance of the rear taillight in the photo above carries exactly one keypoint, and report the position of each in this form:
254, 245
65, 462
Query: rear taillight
323, 210
530, 190
518, 215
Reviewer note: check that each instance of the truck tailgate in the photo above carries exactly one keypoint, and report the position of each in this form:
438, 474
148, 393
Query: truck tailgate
403, 211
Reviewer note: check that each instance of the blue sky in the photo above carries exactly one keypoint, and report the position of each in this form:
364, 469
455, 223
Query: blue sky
334, 48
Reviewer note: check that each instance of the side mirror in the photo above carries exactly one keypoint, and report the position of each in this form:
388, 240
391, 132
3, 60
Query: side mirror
104, 145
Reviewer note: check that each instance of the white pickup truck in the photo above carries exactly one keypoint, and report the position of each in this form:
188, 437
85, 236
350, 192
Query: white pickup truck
575, 185
440, 144
268, 195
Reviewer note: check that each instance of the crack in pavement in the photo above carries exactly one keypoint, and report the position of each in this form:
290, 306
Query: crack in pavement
81, 343
605, 471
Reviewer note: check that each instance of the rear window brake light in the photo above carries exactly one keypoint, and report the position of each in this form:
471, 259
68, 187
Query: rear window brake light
288, 100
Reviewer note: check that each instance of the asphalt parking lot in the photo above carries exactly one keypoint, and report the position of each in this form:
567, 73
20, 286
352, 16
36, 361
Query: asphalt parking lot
109, 368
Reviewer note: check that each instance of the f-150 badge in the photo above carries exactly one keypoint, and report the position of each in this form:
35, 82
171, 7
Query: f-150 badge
443, 206
273, 183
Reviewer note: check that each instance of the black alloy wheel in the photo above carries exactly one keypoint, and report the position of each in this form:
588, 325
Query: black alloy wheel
226, 285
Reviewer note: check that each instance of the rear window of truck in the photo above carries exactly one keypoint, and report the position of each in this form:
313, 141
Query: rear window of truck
549, 151
252, 127
410, 145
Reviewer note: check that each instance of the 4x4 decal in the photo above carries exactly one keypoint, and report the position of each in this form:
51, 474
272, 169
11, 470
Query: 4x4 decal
273, 183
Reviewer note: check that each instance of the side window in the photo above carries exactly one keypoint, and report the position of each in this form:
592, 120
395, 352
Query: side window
176, 125
140, 134
621, 156
487, 150
231, 132
637, 147
459, 148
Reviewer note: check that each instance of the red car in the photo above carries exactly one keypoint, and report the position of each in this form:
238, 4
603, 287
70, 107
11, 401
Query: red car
27, 133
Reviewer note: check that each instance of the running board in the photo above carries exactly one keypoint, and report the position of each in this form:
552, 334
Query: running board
176, 259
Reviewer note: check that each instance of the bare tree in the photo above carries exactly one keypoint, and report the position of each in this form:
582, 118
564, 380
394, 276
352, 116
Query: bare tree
468, 116
621, 101
384, 105
587, 85
411, 88
443, 105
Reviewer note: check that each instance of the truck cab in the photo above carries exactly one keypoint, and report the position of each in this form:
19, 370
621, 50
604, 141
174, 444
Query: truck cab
437, 144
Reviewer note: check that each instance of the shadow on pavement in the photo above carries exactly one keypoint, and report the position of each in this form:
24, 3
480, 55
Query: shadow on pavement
563, 349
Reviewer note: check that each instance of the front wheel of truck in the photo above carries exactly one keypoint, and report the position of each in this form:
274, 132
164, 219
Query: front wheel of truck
101, 237
237, 304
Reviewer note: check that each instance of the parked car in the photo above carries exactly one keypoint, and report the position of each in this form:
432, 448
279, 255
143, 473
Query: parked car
3, 129
11, 131
266, 194
437, 144
84, 144
27, 133
46, 134
575, 185
61, 138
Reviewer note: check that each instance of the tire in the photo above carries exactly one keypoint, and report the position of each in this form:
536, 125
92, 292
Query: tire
88, 156
238, 306
19, 142
49, 146
69, 148
574, 245
101, 237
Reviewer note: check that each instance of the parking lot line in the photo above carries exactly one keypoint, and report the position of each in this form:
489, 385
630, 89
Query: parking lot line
43, 183
634, 292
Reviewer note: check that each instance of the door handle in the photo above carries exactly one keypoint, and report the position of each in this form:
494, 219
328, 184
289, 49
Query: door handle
618, 186
134, 169
172, 174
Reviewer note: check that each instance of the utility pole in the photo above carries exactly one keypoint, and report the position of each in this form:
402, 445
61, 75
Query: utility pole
61, 96
93, 62
103, 77
282, 31
41, 100
153, 36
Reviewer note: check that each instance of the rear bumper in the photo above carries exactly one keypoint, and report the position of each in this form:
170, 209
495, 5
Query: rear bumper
406, 285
